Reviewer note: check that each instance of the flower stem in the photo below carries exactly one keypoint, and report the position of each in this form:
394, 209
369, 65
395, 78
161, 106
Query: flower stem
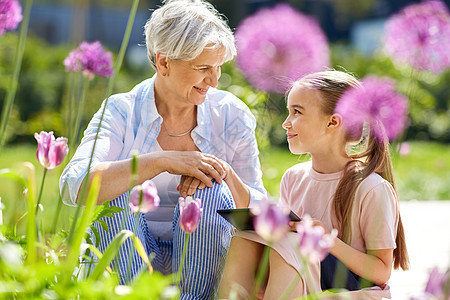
116, 68
40, 192
290, 288
130, 252
76, 125
9, 100
183, 255
57, 212
308, 279
261, 275
138, 214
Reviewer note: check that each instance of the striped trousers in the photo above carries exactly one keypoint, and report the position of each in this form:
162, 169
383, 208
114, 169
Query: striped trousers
206, 249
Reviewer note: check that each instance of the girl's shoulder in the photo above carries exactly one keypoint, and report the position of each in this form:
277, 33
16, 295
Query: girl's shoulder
298, 170
374, 184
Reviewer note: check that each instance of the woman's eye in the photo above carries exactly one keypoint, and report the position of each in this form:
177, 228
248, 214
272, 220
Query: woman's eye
296, 111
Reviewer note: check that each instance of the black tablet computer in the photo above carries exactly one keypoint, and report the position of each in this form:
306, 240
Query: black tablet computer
242, 218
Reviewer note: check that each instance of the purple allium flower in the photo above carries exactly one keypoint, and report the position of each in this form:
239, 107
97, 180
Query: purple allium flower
271, 221
420, 36
10, 15
190, 213
150, 198
51, 152
277, 46
377, 103
314, 244
91, 59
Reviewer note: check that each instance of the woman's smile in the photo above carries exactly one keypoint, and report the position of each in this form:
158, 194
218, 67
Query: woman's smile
201, 91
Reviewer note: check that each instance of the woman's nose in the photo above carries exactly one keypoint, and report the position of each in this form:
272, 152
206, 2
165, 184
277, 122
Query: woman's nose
213, 77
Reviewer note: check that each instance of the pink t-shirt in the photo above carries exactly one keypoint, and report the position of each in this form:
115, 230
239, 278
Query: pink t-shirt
374, 213
374, 219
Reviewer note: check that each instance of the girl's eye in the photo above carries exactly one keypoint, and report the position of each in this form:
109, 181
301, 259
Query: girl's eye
296, 111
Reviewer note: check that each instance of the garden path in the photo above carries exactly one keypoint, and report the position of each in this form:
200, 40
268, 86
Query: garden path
427, 230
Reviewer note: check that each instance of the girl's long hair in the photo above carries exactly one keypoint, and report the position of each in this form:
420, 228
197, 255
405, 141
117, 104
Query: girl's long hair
374, 159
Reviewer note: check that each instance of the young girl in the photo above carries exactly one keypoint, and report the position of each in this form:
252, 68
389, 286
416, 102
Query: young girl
354, 193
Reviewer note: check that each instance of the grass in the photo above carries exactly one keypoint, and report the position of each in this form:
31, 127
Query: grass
424, 174
12, 194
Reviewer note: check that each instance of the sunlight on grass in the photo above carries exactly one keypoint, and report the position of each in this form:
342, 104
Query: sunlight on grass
12, 194
424, 174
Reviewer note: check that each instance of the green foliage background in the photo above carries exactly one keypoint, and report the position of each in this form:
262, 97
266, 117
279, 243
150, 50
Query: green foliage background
41, 101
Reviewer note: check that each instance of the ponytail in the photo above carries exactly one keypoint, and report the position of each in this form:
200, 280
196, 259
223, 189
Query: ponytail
375, 159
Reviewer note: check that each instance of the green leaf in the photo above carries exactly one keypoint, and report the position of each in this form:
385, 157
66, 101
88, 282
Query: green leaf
104, 225
105, 211
84, 222
96, 234
11, 174
110, 253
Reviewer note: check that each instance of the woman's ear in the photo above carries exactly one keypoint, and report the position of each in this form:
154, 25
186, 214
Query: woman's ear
335, 121
162, 64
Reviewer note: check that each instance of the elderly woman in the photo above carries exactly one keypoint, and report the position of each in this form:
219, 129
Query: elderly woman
180, 125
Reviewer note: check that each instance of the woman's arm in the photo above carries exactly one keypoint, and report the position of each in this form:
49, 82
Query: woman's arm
116, 175
239, 190
375, 265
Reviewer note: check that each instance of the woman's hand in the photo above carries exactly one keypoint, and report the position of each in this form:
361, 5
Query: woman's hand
188, 184
200, 166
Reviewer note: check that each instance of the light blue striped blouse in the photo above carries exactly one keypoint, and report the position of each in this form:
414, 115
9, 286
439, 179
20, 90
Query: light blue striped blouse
225, 128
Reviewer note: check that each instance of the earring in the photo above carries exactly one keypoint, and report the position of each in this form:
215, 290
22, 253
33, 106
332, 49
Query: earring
163, 74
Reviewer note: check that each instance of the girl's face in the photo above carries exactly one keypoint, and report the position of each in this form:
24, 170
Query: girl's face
306, 125
190, 80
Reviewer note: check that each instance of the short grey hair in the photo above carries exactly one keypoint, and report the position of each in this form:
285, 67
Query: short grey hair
182, 29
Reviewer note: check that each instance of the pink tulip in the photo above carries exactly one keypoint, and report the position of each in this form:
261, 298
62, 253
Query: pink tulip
51, 152
190, 213
271, 221
314, 243
150, 199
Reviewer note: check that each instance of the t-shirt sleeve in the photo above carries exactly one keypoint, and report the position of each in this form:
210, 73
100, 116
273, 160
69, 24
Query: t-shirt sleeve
379, 217
284, 191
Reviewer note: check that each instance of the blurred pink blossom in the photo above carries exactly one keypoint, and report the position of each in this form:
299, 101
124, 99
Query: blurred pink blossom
190, 213
420, 36
279, 45
90, 59
10, 15
150, 198
435, 286
51, 152
314, 243
271, 221
405, 149
376, 102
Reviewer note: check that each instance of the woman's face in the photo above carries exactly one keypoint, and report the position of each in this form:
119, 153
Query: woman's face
190, 80
306, 123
